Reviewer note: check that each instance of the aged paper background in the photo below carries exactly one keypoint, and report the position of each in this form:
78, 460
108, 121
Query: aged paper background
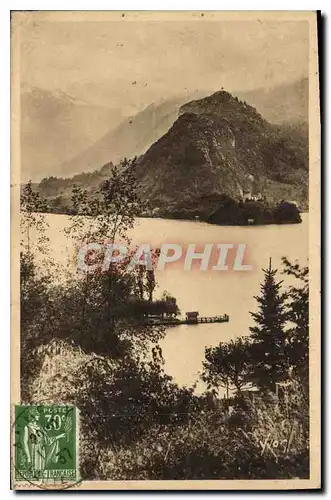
19, 19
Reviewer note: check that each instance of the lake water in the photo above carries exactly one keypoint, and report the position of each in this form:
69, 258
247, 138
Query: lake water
209, 292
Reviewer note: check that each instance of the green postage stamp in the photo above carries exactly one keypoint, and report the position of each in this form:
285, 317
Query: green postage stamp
46, 444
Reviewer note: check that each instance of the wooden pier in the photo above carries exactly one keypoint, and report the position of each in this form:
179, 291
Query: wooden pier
214, 319
189, 320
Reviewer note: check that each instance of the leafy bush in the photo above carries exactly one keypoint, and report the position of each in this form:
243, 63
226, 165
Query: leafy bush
81, 344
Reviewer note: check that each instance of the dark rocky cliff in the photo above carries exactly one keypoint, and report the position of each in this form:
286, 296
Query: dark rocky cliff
221, 146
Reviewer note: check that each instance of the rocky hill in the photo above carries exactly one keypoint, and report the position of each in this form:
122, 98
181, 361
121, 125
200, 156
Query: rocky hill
221, 146
132, 137
63, 136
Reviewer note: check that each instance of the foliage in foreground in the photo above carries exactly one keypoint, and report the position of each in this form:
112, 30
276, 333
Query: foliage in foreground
137, 424
258, 441
79, 347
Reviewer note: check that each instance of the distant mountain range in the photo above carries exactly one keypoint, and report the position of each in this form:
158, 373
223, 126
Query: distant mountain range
286, 103
218, 146
64, 136
131, 138
56, 127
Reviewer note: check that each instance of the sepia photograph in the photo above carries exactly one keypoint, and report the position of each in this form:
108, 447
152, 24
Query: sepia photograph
165, 260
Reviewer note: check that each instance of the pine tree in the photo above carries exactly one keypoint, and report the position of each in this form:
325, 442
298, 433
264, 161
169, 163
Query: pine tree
298, 315
269, 363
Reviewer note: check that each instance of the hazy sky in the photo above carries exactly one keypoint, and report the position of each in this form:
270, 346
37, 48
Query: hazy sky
129, 64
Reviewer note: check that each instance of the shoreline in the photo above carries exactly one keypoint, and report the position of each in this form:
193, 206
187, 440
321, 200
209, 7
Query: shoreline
194, 221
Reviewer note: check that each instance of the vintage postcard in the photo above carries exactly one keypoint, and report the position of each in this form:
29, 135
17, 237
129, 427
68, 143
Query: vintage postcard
165, 186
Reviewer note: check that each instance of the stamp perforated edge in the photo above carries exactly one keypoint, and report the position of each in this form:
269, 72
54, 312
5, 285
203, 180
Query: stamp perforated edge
38, 484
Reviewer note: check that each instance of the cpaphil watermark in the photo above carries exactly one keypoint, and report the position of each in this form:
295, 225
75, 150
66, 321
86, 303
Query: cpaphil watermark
94, 257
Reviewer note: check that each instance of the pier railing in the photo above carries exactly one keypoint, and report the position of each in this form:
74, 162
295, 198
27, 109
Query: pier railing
213, 319
188, 321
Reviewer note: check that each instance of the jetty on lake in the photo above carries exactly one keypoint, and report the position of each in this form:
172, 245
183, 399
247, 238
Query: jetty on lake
166, 312
191, 318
